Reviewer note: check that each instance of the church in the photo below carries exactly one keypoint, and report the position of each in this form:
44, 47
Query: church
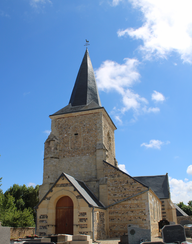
83, 190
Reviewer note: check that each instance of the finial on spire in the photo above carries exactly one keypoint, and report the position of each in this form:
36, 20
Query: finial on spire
87, 43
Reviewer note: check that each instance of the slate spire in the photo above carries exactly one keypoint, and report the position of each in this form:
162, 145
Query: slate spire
85, 89
85, 94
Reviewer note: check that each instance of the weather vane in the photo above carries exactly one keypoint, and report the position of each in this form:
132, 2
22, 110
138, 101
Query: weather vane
87, 43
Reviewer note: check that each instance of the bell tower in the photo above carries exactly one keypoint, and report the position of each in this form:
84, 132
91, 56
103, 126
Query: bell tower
82, 135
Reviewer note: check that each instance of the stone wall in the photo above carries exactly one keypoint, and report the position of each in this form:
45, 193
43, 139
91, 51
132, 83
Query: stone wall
155, 213
83, 222
168, 210
183, 220
120, 185
100, 225
19, 232
127, 200
72, 145
77, 145
109, 140
130, 212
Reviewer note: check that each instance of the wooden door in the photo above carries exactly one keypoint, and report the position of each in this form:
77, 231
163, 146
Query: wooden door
64, 216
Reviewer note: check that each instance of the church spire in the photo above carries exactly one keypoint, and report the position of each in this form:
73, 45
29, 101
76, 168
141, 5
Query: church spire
85, 89
85, 94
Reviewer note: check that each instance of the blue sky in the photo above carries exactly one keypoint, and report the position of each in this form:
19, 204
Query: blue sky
141, 51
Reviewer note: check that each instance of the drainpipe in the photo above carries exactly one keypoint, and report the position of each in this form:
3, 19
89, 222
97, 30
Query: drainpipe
93, 224
36, 222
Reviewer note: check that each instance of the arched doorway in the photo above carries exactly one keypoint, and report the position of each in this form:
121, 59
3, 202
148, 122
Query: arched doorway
64, 216
162, 223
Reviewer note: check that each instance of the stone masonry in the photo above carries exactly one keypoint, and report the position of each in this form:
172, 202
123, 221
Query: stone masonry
129, 202
79, 141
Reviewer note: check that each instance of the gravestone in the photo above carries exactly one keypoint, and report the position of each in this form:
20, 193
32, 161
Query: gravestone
188, 231
153, 242
124, 239
35, 241
173, 233
136, 235
61, 238
26, 242
4, 235
81, 239
46, 239
29, 240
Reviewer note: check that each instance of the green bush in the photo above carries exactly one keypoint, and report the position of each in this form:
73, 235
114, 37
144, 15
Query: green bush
17, 206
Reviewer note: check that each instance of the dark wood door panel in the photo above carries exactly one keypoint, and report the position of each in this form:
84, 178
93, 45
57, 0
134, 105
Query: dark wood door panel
64, 216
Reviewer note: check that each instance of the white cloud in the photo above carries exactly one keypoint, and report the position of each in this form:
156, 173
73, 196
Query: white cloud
35, 3
118, 119
180, 191
167, 27
132, 100
116, 2
31, 184
156, 144
112, 76
189, 170
151, 110
47, 132
122, 167
157, 96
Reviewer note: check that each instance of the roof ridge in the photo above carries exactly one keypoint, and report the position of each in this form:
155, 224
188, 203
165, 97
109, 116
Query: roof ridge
90, 194
149, 176
125, 173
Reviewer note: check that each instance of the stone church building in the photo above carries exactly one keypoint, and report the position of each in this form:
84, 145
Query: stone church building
83, 190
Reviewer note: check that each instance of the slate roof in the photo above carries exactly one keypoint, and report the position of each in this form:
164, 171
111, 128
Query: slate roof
179, 211
73, 109
85, 94
83, 190
159, 184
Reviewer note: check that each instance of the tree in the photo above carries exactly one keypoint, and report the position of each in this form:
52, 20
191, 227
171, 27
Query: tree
18, 218
190, 203
17, 206
186, 208
1, 199
25, 197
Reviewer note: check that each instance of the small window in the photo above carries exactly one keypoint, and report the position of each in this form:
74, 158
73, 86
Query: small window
76, 134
